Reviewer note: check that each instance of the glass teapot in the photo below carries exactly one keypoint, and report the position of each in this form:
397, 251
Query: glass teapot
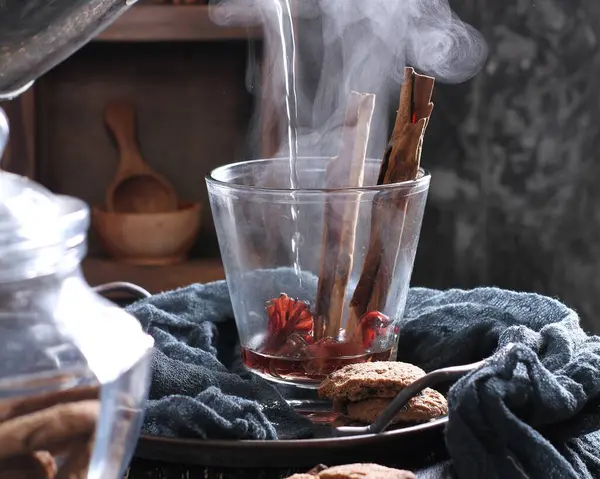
74, 367
36, 35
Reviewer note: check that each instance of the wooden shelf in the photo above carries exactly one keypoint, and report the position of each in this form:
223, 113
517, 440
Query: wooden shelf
154, 279
171, 23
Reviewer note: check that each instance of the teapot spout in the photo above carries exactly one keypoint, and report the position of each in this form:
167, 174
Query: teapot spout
4, 132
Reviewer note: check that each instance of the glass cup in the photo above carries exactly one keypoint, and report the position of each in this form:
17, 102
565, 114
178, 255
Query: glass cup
318, 277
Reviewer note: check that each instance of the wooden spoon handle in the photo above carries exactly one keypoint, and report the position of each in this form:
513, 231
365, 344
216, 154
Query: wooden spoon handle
120, 119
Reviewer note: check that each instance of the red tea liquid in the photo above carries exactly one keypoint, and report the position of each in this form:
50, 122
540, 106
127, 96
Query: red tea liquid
308, 372
290, 352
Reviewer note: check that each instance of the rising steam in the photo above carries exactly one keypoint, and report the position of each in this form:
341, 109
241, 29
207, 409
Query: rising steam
362, 45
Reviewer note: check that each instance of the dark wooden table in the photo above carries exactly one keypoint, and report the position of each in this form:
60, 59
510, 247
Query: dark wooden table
147, 469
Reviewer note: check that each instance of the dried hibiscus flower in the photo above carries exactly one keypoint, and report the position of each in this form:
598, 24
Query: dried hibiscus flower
287, 316
290, 334
373, 325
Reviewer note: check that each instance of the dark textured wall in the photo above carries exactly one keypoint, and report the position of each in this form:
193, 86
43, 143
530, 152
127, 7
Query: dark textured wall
514, 153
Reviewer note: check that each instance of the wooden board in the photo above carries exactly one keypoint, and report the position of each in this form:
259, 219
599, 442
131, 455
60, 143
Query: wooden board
162, 23
154, 279
193, 114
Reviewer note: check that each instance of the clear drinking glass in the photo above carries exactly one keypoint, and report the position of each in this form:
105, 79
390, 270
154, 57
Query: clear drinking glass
318, 277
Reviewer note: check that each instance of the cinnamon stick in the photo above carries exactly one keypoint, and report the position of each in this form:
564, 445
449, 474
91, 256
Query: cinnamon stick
400, 163
44, 430
341, 215
415, 105
393, 215
22, 406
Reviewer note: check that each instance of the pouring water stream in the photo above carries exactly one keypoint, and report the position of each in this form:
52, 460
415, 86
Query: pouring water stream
288, 50
285, 24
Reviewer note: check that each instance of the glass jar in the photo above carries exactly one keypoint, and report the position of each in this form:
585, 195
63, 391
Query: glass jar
74, 368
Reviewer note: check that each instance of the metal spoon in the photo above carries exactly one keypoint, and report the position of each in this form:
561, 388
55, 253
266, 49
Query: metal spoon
385, 417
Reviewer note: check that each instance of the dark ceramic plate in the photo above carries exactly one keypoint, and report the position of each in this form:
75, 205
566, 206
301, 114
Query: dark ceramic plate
406, 445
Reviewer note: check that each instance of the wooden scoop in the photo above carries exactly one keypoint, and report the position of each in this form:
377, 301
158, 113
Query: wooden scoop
136, 188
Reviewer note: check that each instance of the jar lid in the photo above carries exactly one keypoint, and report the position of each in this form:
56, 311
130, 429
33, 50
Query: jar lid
28, 211
37, 228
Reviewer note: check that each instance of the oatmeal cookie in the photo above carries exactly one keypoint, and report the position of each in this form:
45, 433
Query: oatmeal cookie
364, 471
428, 405
380, 379
357, 471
